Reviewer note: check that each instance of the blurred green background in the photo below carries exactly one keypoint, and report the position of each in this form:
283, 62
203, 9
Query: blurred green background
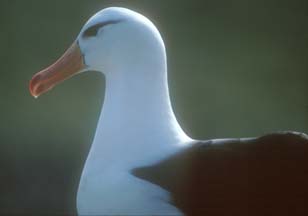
236, 69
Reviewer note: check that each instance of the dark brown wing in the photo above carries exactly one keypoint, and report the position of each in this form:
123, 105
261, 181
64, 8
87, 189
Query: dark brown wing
264, 176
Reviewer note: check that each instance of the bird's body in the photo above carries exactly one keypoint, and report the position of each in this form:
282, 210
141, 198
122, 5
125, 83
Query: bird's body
141, 162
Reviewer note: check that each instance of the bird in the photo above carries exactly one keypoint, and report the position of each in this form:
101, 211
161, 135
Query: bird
141, 161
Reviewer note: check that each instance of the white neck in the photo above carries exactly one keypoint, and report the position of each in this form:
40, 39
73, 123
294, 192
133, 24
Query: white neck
137, 116
137, 127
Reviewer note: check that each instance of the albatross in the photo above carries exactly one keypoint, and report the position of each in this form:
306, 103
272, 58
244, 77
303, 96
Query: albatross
141, 162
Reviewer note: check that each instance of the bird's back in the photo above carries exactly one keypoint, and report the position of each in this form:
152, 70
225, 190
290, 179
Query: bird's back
267, 175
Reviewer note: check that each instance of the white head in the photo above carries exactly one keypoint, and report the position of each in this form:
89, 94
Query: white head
112, 40
118, 37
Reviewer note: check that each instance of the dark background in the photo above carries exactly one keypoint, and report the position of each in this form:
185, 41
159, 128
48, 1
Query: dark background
236, 69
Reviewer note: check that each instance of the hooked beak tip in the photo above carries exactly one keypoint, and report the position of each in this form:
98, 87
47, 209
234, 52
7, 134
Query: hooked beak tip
34, 84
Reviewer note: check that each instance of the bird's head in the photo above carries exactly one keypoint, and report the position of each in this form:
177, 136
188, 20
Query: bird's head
111, 40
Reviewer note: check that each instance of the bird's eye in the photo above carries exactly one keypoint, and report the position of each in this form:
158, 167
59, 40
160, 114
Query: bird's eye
93, 30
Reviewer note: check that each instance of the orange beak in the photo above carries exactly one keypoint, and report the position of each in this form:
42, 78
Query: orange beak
69, 64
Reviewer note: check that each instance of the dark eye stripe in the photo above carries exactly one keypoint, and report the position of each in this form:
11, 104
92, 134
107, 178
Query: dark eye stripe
92, 31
